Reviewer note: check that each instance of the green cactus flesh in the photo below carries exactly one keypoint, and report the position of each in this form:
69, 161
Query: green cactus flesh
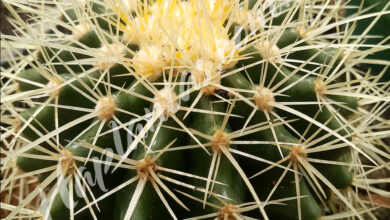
195, 109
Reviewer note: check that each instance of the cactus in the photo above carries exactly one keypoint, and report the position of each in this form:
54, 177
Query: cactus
193, 109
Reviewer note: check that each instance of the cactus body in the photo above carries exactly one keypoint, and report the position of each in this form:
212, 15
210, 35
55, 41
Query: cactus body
195, 109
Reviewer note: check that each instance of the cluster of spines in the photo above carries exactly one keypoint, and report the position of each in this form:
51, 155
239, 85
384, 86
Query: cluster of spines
282, 75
